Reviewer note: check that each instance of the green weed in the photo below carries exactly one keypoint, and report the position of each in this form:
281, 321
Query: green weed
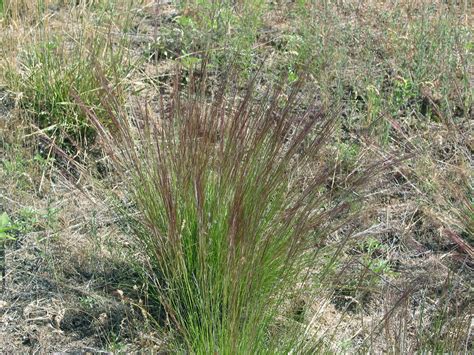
5, 227
223, 32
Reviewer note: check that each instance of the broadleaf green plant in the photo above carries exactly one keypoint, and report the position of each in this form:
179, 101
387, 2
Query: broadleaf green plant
5, 227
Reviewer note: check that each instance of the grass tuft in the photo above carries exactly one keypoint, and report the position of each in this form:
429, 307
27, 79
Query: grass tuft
49, 69
227, 227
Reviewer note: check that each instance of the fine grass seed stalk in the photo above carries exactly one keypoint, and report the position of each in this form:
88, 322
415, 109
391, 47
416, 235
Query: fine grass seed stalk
227, 227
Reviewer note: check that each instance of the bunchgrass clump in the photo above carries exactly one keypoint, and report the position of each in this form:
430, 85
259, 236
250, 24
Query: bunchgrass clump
226, 222
50, 68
